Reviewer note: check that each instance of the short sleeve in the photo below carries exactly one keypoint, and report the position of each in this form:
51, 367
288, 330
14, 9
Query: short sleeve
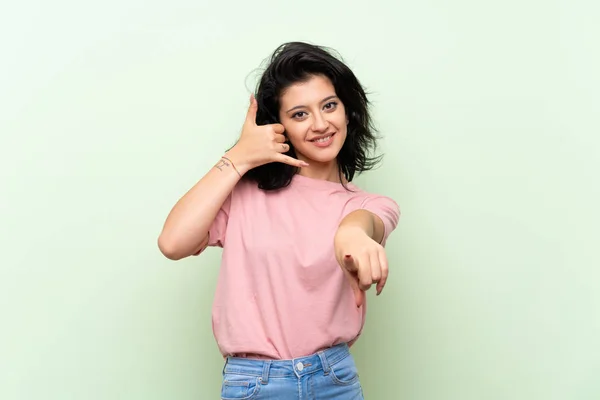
386, 209
217, 230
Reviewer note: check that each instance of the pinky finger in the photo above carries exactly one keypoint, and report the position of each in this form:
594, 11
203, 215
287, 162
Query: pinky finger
291, 161
384, 272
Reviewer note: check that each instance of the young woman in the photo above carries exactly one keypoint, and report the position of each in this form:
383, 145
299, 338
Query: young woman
301, 243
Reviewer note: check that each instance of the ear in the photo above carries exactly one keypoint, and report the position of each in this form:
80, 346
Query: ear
351, 113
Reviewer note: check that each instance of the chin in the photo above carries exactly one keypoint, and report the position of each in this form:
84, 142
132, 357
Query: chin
322, 156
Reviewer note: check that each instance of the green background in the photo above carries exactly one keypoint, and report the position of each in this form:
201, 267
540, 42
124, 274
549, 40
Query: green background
110, 111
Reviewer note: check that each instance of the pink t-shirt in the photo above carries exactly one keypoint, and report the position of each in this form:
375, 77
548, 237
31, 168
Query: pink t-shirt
281, 293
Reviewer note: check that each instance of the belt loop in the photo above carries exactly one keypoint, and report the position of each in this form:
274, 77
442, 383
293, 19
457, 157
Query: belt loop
264, 379
225, 365
326, 367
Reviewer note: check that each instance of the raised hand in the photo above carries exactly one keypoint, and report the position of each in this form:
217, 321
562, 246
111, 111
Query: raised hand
260, 144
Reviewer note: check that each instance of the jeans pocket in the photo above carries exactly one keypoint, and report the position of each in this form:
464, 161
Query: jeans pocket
344, 372
239, 387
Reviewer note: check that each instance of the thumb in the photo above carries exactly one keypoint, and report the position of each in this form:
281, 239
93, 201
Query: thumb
252, 110
350, 264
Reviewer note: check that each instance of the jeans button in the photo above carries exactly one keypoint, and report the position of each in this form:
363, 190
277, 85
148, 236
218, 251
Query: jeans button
300, 366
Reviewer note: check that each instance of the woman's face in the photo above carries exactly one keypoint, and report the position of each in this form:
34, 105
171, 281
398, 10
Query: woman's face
314, 119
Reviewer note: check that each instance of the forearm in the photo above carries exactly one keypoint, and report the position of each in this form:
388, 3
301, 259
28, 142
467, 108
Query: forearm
186, 228
365, 221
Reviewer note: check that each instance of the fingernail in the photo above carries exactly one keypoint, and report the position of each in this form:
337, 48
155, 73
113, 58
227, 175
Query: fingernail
304, 164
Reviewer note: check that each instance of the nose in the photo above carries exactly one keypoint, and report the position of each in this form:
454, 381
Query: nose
320, 124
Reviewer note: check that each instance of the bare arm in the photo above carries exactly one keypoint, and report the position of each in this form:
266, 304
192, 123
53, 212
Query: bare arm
185, 231
365, 220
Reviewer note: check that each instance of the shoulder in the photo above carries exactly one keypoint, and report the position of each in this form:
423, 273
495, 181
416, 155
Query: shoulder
385, 207
365, 198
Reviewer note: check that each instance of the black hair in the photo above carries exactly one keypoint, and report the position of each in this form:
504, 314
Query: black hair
296, 62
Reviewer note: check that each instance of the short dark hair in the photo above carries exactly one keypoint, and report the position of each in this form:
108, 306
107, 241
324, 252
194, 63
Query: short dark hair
295, 62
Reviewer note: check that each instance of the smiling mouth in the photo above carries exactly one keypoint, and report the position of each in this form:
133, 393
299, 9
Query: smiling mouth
322, 139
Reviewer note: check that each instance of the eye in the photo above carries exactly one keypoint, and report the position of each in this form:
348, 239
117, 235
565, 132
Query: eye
331, 105
298, 115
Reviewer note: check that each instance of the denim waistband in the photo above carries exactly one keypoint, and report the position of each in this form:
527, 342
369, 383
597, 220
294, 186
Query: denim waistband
320, 361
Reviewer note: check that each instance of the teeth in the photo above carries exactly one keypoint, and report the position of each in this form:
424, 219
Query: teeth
323, 139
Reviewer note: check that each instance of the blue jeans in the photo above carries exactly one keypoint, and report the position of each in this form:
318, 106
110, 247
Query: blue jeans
328, 375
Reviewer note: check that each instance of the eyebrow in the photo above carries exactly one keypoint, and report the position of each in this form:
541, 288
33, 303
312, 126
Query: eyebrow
322, 101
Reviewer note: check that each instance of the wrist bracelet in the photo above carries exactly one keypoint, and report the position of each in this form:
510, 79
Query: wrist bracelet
233, 165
